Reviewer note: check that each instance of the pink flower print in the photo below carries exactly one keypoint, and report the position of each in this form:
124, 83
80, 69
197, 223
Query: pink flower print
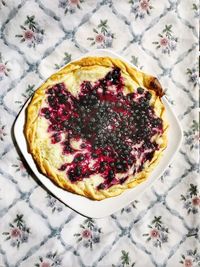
86, 233
99, 38
2, 68
18, 232
191, 199
196, 201
15, 232
70, 6
191, 258
89, 234
188, 263
50, 259
21, 166
158, 233
164, 41
29, 35
141, 8
103, 37
45, 264
74, 2
167, 41
191, 139
154, 233
144, 5
32, 33
2, 131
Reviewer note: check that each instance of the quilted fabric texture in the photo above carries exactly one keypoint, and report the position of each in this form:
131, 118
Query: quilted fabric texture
161, 227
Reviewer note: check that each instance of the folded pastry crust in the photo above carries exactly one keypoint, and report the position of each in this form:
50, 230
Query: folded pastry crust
49, 157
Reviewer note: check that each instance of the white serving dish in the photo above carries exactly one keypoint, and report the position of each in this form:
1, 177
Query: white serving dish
99, 209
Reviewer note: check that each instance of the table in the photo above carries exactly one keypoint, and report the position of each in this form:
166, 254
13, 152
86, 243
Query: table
161, 227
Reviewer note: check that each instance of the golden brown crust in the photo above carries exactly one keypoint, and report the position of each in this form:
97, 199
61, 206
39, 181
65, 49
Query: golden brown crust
86, 188
154, 84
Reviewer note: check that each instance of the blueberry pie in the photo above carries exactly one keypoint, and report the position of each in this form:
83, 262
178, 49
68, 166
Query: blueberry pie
97, 127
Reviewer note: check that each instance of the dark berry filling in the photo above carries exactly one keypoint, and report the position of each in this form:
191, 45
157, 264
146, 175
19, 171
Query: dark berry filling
115, 129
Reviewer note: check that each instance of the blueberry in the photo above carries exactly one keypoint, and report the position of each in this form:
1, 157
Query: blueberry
47, 116
93, 100
111, 174
103, 163
93, 120
80, 158
129, 97
156, 122
51, 100
71, 176
119, 135
115, 75
101, 186
119, 104
102, 169
50, 91
56, 138
77, 130
45, 111
55, 127
62, 99
83, 145
63, 167
84, 102
88, 85
133, 106
140, 90
94, 155
144, 104
75, 160
119, 166
148, 95
78, 120
112, 164
59, 94
93, 97
95, 146
130, 161
120, 95
105, 153
59, 86
89, 135
140, 168
58, 119
109, 76
78, 171
126, 152
122, 180
114, 138
64, 112
149, 156
68, 149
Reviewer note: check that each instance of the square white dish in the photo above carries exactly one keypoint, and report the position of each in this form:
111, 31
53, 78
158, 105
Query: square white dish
99, 209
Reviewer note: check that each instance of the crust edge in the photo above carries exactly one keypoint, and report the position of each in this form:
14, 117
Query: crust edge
30, 128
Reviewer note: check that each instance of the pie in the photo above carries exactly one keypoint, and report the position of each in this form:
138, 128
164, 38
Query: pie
97, 127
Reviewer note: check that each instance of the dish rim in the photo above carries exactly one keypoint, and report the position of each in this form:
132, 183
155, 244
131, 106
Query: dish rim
151, 179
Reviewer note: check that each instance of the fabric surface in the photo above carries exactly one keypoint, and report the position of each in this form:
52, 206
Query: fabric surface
161, 227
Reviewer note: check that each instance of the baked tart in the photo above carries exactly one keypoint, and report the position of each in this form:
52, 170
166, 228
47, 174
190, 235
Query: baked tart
97, 127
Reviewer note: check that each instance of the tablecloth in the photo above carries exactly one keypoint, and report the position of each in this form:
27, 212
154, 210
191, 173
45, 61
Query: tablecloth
160, 228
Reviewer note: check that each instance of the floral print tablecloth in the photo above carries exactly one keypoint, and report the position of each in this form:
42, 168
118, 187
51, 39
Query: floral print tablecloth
161, 227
